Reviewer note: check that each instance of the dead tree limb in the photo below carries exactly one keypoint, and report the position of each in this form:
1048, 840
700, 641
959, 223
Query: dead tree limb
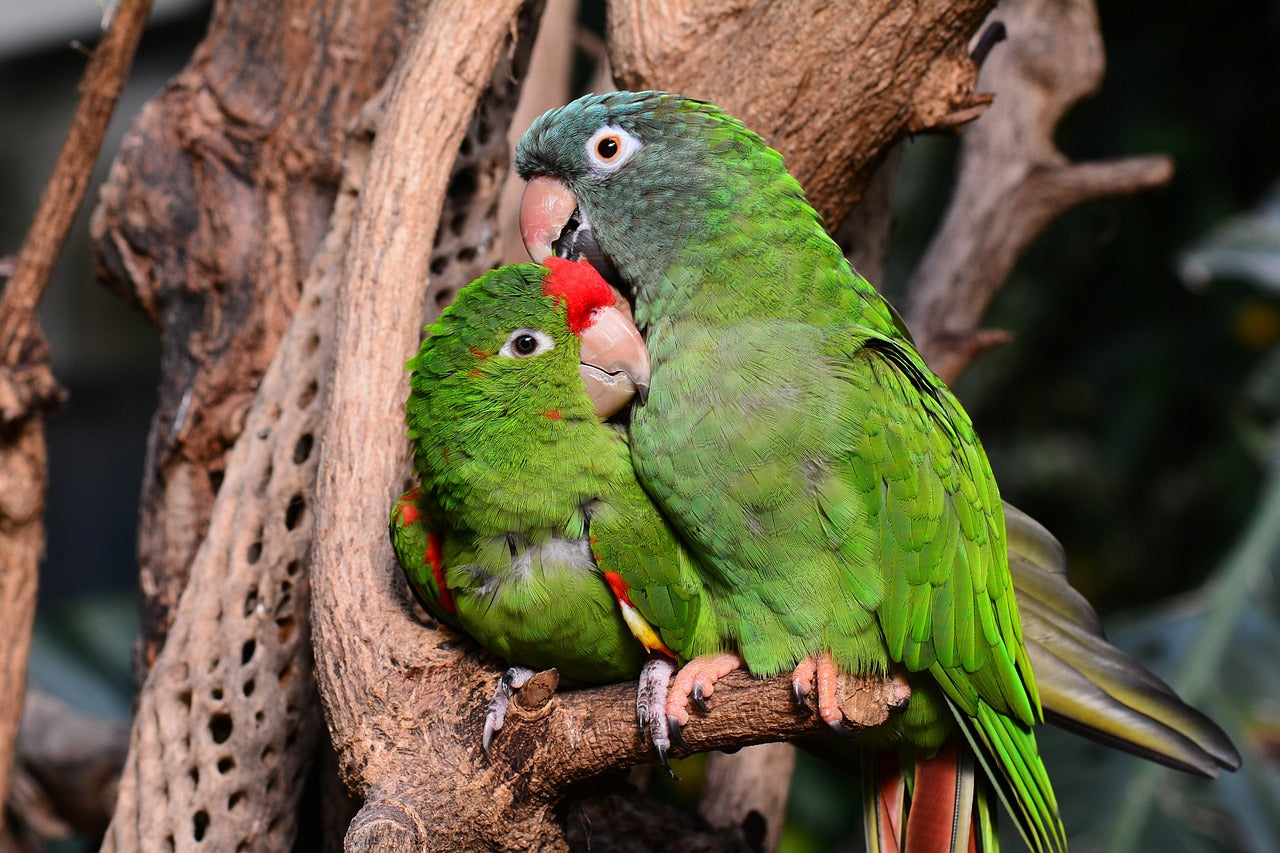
1013, 180
830, 85
211, 214
27, 387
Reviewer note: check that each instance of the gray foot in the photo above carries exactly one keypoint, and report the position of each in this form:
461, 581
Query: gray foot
651, 705
513, 679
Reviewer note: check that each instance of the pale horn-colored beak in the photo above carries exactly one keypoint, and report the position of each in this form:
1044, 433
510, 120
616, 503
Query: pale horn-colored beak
614, 362
544, 210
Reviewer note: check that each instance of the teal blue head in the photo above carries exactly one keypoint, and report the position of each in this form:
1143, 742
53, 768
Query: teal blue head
625, 177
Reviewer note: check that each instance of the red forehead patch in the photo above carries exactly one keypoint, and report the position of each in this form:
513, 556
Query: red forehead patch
581, 288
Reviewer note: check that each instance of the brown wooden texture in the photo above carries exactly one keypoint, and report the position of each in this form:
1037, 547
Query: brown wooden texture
27, 388
830, 85
208, 221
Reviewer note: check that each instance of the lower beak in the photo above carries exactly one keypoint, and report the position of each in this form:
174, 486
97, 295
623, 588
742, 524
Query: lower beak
614, 362
544, 210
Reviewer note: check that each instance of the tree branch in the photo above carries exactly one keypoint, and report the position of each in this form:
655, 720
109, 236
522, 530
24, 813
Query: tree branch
830, 85
1012, 179
211, 214
27, 386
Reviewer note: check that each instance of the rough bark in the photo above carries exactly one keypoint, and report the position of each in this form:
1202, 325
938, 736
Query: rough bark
28, 390
210, 216
830, 85
1013, 180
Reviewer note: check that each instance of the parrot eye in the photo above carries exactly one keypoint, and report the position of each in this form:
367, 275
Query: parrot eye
608, 148
523, 343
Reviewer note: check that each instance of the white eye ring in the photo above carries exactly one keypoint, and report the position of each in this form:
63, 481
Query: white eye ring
526, 343
608, 149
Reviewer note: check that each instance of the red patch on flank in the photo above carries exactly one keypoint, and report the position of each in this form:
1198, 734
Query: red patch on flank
620, 589
480, 354
553, 415
435, 556
408, 507
580, 287
475, 373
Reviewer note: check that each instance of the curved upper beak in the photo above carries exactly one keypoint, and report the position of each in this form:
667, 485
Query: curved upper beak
544, 211
614, 362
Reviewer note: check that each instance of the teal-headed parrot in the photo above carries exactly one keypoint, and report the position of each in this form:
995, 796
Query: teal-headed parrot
838, 504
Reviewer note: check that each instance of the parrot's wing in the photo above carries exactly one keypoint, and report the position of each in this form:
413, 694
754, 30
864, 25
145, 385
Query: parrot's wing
948, 606
420, 553
652, 576
1088, 685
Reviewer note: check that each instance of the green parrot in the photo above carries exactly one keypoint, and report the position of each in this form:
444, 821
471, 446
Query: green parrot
530, 531
840, 508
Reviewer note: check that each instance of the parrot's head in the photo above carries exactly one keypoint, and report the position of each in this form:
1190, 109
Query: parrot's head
525, 339
623, 179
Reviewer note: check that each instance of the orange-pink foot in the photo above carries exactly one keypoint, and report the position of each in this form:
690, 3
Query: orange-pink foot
822, 670
695, 682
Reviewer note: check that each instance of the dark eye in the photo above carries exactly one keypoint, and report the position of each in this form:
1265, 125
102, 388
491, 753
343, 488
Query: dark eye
607, 147
523, 343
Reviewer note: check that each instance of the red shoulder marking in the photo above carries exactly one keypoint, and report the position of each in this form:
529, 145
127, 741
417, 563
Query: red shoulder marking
435, 556
581, 289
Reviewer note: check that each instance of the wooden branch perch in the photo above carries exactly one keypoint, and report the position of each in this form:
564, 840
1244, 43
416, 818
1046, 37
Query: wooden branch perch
1012, 179
27, 387
830, 85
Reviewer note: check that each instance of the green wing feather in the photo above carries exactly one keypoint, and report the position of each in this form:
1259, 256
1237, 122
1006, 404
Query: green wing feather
949, 606
631, 538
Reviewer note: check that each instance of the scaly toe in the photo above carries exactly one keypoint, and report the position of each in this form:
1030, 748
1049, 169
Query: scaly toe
512, 680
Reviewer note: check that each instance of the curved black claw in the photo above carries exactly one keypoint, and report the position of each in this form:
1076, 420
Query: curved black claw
840, 730
676, 736
512, 680
800, 696
662, 759
699, 700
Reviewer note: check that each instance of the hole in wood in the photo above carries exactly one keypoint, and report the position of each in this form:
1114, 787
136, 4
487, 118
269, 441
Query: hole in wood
308, 394
226, 764
254, 552
302, 450
246, 652
293, 514
220, 727
200, 824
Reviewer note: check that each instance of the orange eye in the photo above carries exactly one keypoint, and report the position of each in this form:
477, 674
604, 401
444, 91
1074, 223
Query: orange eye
608, 147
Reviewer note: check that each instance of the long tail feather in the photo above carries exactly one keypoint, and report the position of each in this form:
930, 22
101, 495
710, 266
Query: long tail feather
1088, 685
941, 812
1007, 751
884, 801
